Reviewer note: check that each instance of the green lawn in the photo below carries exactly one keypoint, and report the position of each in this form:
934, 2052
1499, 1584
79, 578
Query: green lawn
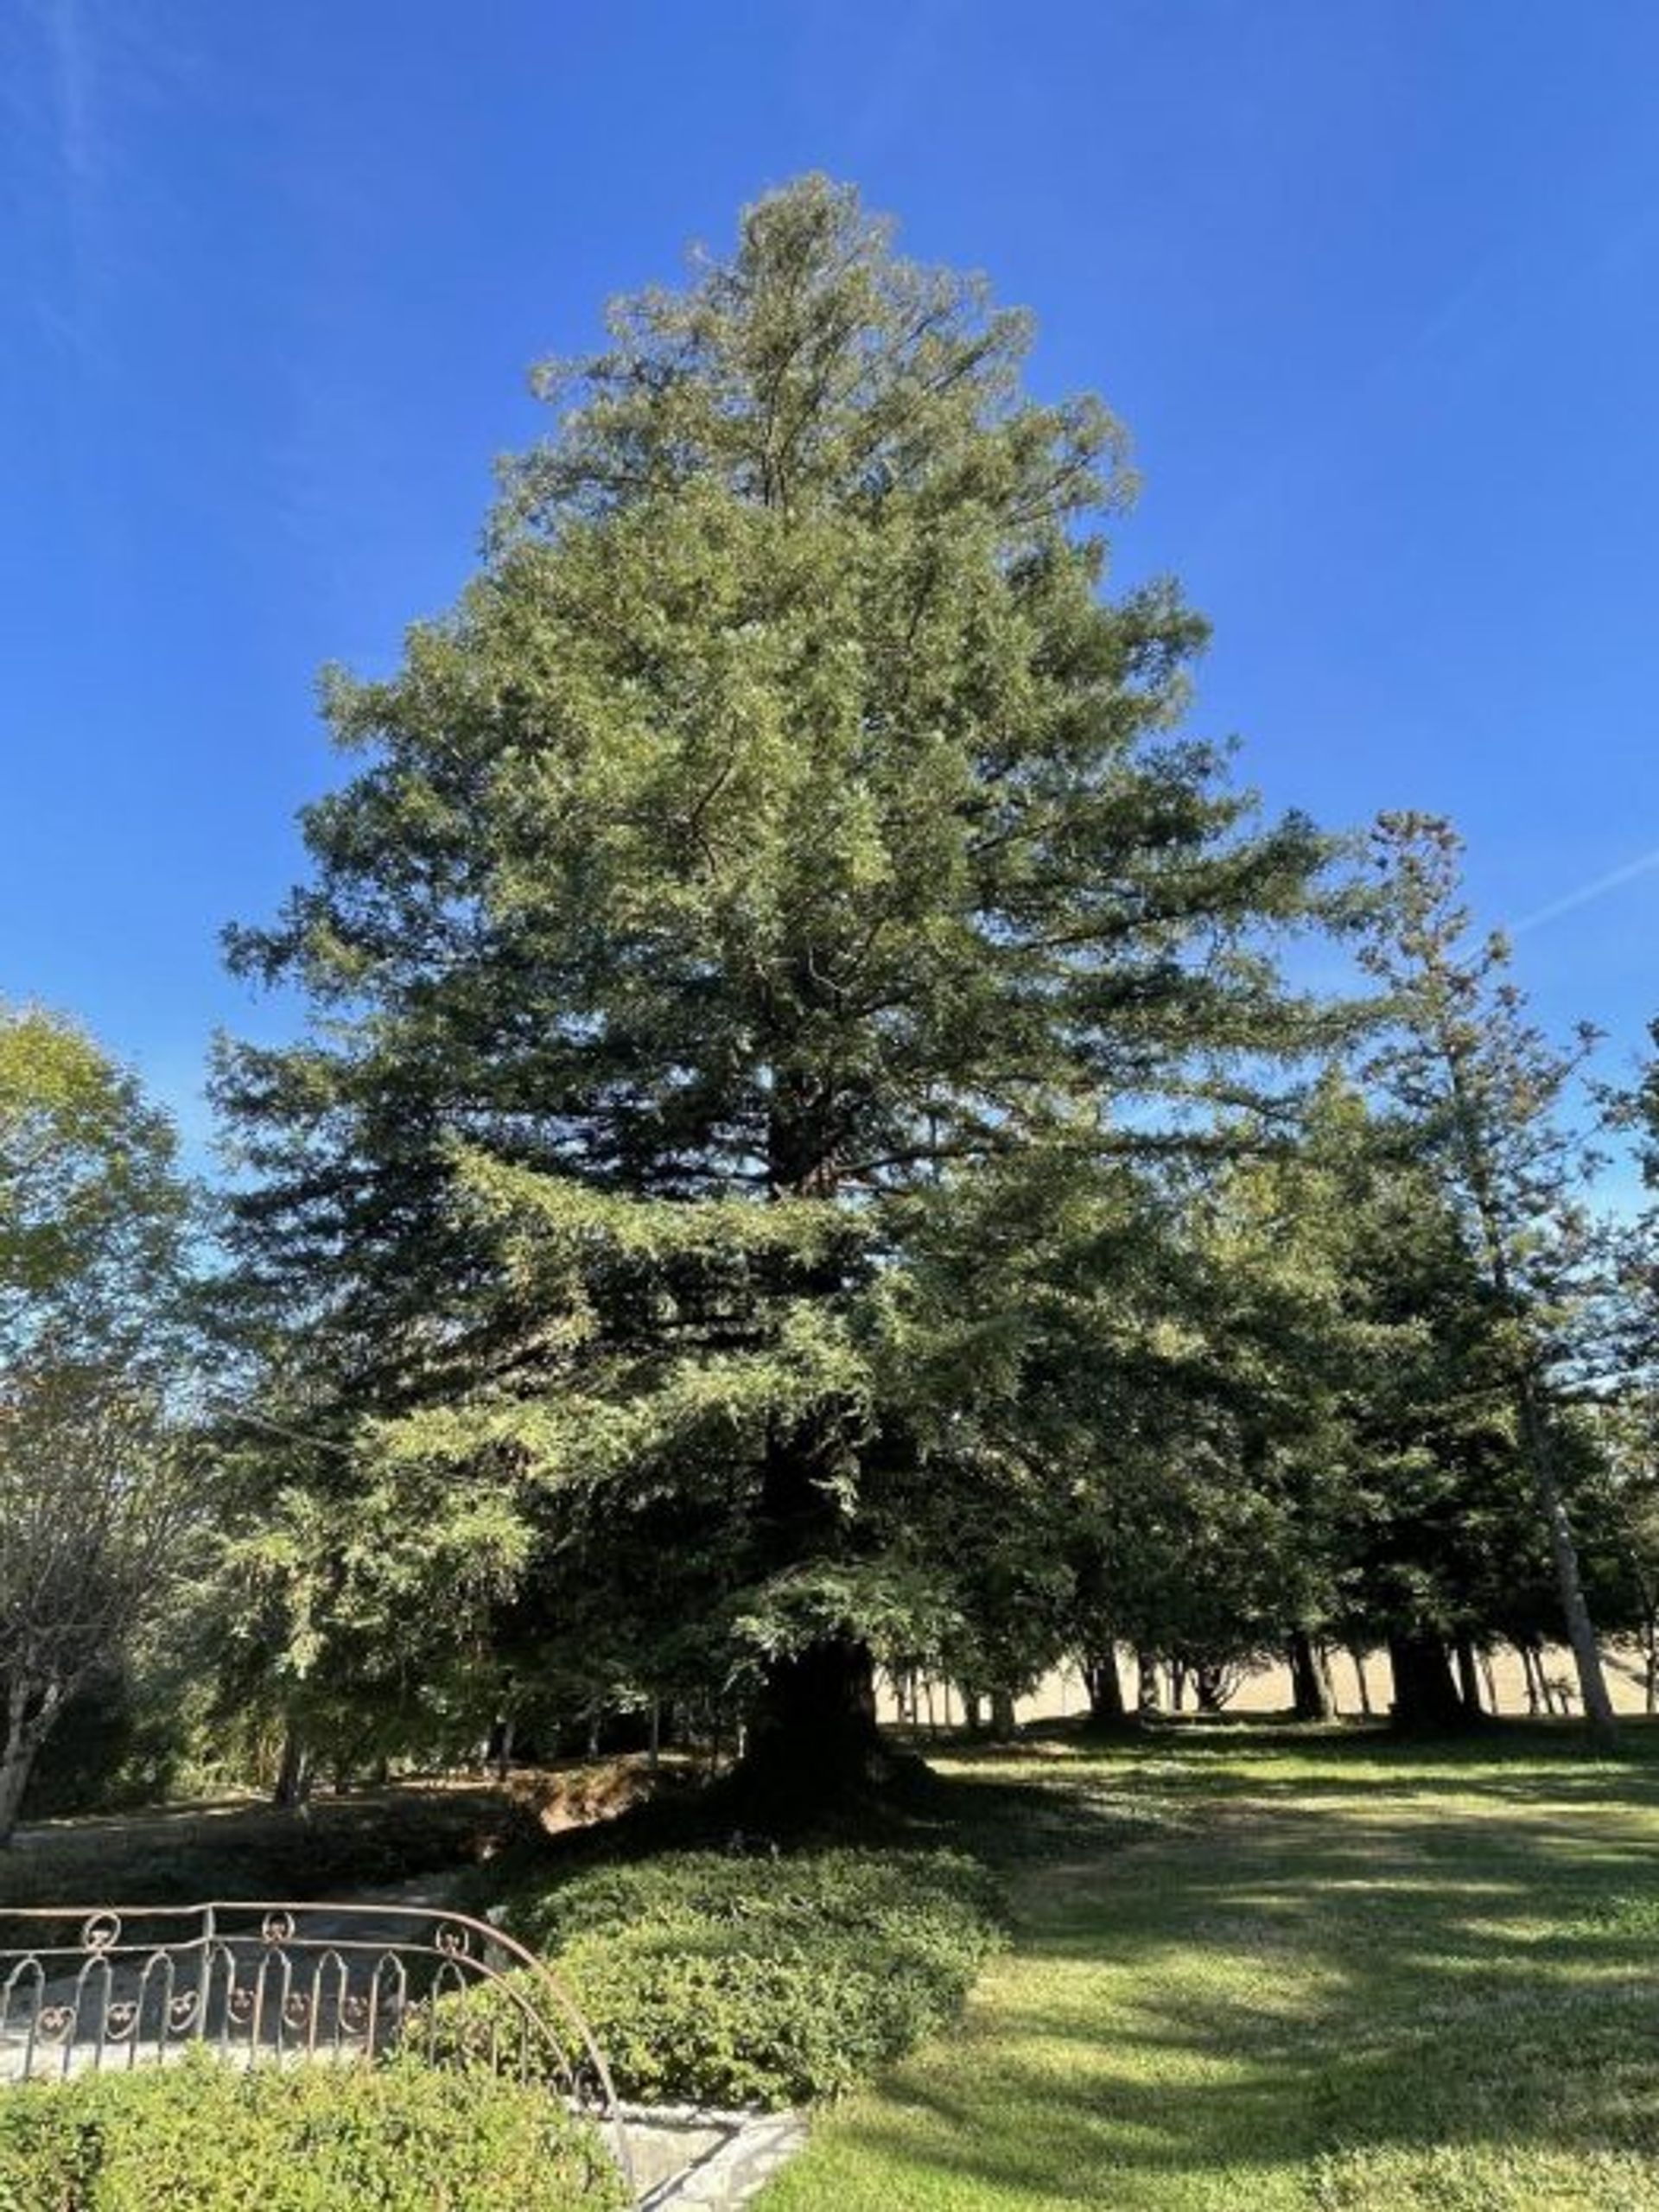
1257, 1969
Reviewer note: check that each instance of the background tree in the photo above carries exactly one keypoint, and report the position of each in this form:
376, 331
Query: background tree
783, 833
93, 1489
1484, 1092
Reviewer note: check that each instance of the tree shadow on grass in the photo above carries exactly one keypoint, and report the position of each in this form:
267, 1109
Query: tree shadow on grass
1340, 1999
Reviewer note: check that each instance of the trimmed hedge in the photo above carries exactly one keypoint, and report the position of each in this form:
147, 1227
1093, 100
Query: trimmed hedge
202, 2137
756, 1981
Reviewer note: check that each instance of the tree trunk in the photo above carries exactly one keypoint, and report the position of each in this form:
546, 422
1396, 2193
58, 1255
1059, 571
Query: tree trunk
15, 1761
293, 1772
1356, 1653
1468, 1677
1210, 1682
1177, 1686
812, 1738
1529, 1677
1105, 1688
1310, 1681
1580, 1632
972, 1718
1425, 1695
1004, 1725
15, 1766
1145, 1692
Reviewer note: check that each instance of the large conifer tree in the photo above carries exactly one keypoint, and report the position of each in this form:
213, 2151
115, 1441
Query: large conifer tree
782, 840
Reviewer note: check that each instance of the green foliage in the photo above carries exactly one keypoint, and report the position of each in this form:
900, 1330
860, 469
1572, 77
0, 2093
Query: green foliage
200, 2137
119, 1744
92, 1207
98, 1492
755, 1981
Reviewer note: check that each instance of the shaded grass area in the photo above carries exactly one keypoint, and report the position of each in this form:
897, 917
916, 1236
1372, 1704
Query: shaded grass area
335, 1846
1258, 1969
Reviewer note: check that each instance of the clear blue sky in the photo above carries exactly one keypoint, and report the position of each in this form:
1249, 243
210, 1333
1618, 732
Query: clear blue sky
1375, 286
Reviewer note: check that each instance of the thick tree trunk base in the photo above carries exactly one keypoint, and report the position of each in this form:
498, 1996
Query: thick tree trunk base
813, 1750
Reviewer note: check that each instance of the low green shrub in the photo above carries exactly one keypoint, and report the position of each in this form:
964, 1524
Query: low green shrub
201, 2137
753, 1980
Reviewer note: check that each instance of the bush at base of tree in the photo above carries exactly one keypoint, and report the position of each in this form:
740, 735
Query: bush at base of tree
743, 1981
200, 2137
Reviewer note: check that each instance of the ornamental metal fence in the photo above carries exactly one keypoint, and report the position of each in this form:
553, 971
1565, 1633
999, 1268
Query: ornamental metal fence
90, 1989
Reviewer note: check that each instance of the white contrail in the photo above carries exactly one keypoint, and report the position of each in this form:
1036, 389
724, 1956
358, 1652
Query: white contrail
1595, 888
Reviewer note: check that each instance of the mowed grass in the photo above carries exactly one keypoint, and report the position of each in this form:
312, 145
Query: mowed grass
1258, 1969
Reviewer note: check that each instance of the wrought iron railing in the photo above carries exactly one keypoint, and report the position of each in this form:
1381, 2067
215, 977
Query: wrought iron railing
260, 1983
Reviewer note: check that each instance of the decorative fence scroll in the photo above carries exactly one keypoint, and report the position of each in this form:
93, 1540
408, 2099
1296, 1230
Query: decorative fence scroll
263, 1984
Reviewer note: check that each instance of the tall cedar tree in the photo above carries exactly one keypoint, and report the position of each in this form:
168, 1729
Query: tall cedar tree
782, 831
1484, 1089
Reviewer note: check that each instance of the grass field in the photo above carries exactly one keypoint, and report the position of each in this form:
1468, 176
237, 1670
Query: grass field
1254, 1968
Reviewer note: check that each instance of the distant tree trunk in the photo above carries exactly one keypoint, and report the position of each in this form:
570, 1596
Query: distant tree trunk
15, 1764
1490, 1680
1004, 1726
1425, 1695
1529, 1677
1104, 1686
973, 1718
1580, 1630
1145, 1692
1468, 1677
1356, 1653
1310, 1679
1177, 1686
292, 1771
1210, 1683
26, 1731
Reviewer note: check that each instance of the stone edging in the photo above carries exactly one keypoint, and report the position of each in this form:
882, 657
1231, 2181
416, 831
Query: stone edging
752, 2148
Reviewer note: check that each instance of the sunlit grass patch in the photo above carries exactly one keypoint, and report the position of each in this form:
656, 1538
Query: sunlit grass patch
1331, 1973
